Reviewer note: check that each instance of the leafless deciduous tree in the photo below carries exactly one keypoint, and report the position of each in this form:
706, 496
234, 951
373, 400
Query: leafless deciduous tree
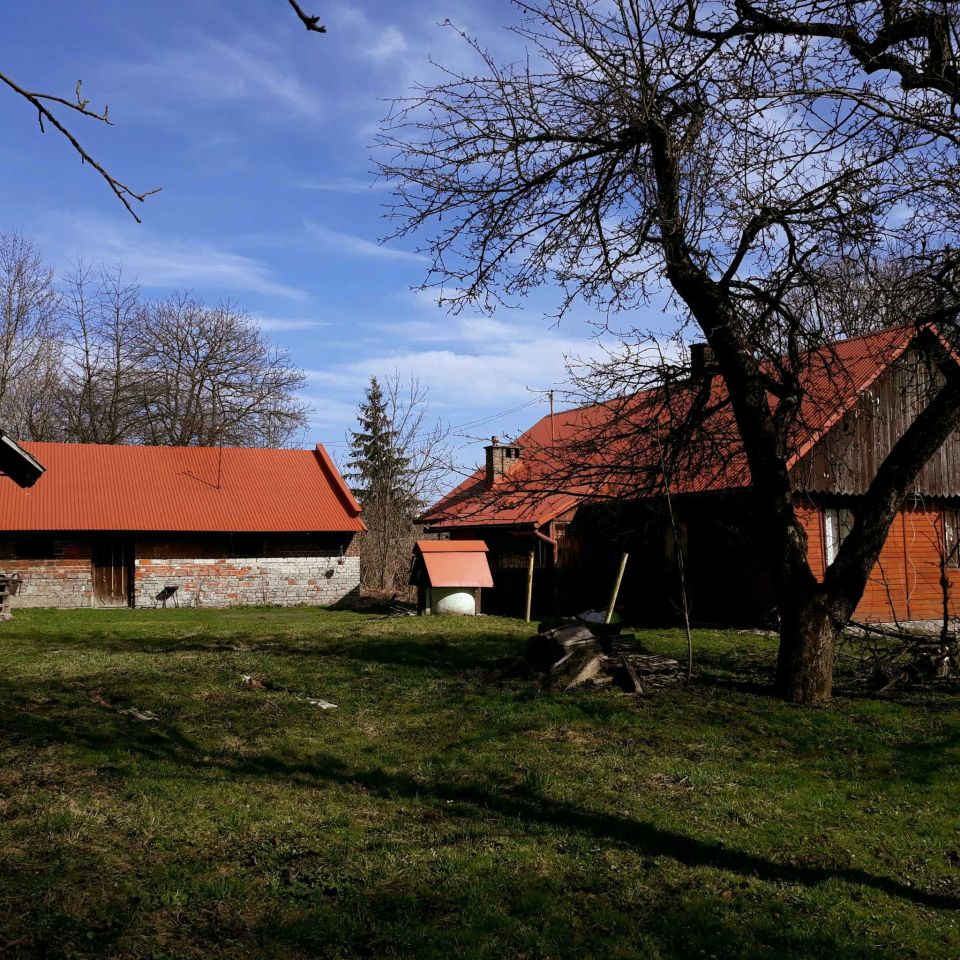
29, 331
208, 376
724, 153
100, 395
57, 111
95, 362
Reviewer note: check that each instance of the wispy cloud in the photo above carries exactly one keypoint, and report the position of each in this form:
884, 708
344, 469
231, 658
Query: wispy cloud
246, 68
288, 324
389, 42
168, 262
358, 185
336, 241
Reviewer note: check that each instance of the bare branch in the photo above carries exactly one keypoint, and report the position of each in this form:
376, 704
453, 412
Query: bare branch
311, 23
40, 100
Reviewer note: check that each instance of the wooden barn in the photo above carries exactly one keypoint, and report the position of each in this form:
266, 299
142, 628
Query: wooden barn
144, 526
554, 491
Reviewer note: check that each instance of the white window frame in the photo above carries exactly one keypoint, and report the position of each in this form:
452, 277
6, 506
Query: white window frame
951, 531
837, 523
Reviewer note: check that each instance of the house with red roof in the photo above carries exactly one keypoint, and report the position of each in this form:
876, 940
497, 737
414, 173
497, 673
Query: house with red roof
584, 485
125, 525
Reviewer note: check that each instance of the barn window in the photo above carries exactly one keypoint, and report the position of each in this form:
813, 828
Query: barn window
837, 523
951, 535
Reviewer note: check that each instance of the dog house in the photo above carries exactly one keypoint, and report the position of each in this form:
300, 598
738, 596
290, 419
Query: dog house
449, 575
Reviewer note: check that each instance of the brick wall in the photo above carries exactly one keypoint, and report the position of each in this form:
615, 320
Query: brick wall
218, 582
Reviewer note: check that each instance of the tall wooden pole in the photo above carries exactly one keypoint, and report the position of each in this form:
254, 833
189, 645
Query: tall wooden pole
529, 587
616, 588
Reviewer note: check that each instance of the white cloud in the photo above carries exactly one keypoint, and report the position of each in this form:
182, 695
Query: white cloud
288, 324
336, 241
358, 185
390, 42
169, 262
248, 69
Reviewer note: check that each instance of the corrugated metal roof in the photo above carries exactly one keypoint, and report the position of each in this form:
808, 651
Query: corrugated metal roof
456, 563
185, 489
548, 481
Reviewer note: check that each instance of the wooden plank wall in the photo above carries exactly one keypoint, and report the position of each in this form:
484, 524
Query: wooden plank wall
845, 461
905, 584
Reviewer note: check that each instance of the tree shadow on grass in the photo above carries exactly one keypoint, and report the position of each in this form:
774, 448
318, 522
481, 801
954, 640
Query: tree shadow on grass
161, 741
484, 652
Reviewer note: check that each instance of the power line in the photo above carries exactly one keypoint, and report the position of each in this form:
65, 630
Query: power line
495, 416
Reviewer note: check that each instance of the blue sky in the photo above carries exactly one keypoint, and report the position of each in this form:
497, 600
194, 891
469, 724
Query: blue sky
259, 135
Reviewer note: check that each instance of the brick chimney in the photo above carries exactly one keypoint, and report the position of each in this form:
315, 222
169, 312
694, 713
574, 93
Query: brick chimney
500, 457
703, 363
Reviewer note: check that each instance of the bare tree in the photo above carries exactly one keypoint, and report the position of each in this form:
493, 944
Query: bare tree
209, 376
724, 153
101, 392
30, 331
54, 110
850, 297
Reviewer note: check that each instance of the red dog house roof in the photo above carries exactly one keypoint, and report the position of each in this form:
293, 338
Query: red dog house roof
456, 563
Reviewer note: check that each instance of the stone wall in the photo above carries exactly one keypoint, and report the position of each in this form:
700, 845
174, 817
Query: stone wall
61, 578
51, 583
284, 581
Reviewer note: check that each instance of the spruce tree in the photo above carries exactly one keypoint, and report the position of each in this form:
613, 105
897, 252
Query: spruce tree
380, 475
378, 467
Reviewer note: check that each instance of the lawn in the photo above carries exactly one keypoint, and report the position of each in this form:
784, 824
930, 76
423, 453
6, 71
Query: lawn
448, 809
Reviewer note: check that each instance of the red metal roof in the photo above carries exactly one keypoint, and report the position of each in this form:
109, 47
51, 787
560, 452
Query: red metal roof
456, 563
186, 489
554, 474
451, 546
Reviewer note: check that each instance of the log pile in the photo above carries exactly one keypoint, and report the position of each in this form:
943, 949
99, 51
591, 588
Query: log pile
572, 655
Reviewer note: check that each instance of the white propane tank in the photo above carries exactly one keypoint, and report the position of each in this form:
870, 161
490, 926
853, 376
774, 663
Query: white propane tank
453, 600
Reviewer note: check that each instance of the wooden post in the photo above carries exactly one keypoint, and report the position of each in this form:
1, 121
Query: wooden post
616, 588
529, 587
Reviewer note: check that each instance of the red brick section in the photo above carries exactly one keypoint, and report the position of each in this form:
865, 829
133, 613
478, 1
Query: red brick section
905, 583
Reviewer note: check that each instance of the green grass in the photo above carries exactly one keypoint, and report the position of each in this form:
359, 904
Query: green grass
447, 809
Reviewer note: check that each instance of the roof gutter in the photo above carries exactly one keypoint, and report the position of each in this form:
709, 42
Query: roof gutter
545, 538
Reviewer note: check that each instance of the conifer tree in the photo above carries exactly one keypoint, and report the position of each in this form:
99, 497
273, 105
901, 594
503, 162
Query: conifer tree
381, 479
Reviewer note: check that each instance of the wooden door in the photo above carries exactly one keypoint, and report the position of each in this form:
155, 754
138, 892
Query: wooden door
112, 573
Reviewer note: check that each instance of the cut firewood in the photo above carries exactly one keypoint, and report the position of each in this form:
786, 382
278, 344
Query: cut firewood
575, 669
571, 656
552, 646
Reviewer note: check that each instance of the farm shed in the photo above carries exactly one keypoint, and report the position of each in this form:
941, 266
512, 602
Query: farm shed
449, 575
582, 486
125, 525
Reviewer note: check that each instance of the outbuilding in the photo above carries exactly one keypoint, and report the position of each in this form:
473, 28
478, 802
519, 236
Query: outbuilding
135, 525
449, 575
